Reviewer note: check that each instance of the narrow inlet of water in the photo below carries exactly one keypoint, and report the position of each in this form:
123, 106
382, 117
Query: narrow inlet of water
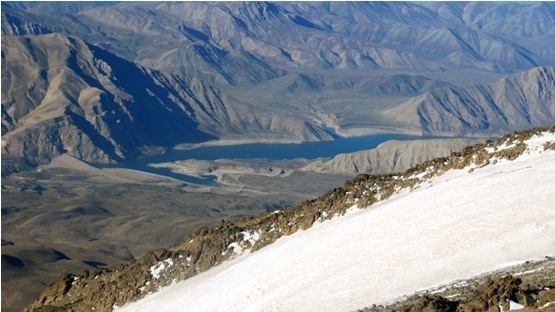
308, 150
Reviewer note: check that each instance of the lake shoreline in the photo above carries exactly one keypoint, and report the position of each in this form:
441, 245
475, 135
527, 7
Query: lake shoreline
246, 150
338, 133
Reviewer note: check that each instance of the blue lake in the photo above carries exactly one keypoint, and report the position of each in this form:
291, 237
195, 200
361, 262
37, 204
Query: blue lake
308, 150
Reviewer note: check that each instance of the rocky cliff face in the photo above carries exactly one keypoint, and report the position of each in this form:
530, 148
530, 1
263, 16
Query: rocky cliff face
209, 247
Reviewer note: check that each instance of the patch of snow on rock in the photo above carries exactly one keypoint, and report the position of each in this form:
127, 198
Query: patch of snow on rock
515, 306
500, 147
251, 238
527, 272
236, 248
536, 142
155, 270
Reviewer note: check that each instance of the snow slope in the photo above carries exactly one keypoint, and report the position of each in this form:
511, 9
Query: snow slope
453, 226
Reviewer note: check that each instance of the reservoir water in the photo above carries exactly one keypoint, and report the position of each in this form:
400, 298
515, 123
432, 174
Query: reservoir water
308, 150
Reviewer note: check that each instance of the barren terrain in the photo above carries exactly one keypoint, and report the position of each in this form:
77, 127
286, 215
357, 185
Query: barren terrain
71, 216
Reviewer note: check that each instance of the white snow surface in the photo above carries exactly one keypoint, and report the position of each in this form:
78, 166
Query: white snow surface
515, 306
155, 270
460, 225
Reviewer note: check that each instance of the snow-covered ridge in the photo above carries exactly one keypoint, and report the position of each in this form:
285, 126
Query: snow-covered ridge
464, 214
209, 247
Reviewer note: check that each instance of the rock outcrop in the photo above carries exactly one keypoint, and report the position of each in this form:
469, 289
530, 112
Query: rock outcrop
524, 287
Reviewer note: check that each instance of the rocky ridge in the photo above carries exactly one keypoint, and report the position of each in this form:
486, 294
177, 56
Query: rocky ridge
208, 247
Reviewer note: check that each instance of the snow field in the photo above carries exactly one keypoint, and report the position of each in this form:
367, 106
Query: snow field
459, 225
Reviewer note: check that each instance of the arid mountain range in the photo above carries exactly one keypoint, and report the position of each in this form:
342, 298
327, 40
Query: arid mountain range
63, 95
491, 36
106, 82
86, 83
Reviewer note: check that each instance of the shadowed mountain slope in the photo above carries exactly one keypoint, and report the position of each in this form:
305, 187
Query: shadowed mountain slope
60, 94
